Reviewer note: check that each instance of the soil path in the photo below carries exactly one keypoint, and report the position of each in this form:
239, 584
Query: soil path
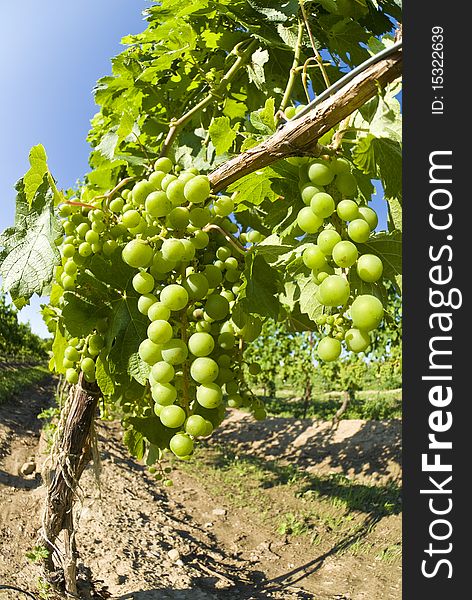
141, 541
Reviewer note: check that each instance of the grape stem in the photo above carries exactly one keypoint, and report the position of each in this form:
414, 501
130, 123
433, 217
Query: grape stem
83, 204
293, 70
318, 58
232, 240
117, 188
215, 93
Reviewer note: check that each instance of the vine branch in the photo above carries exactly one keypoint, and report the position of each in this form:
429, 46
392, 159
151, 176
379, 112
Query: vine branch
318, 58
294, 69
299, 137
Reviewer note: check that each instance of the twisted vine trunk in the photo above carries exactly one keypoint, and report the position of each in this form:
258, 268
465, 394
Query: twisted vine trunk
71, 453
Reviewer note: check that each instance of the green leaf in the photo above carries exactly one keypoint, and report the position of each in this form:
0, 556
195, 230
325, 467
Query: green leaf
29, 254
134, 441
381, 158
222, 134
260, 287
256, 67
153, 430
102, 373
38, 169
254, 188
308, 301
81, 316
271, 248
388, 247
58, 348
264, 119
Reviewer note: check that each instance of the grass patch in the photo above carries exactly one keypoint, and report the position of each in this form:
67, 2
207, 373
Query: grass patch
14, 379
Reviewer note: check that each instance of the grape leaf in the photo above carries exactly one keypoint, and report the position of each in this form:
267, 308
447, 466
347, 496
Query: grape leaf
134, 441
381, 158
388, 247
81, 315
260, 287
153, 430
222, 134
309, 304
38, 169
102, 373
29, 253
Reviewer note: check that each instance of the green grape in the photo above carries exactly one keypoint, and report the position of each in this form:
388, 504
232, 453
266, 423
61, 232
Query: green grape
197, 190
200, 239
82, 229
216, 307
70, 268
160, 265
68, 282
320, 173
327, 239
223, 253
313, 257
72, 376
69, 227
369, 268
96, 343
255, 368
232, 387
137, 253
167, 180
116, 205
340, 165
308, 221
87, 365
359, 231
141, 190
345, 254
90, 376
174, 351
172, 416
357, 340
145, 301
109, 247
369, 215
163, 164
329, 349
149, 352
162, 372
196, 426
68, 251
178, 217
189, 250
204, 370
196, 285
92, 237
71, 354
209, 395
346, 184
322, 205
175, 192
223, 207
290, 112
259, 414
201, 344
334, 291
219, 264
347, 210
168, 483
308, 190
251, 329
143, 282
174, 296
231, 263
85, 249
199, 217
226, 340
203, 327
181, 445
186, 176
158, 311
158, 204
164, 394
172, 250
67, 364
254, 237
366, 312
160, 332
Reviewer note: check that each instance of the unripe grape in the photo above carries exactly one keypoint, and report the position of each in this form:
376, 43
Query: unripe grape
200, 239
158, 204
345, 254
196, 285
308, 190
322, 205
197, 190
109, 247
369, 268
329, 349
231, 263
116, 205
340, 165
149, 352
174, 296
178, 218
189, 250
359, 231
143, 282
163, 164
162, 372
159, 332
85, 249
196, 426
347, 210
308, 221
167, 180
290, 112
175, 192
209, 395
254, 237
137, 253
327, 239
369, 215
313, 257
224, 206
201, 344
357, 340
158, 311
141, 190
164, 393
71, 354
181, 445
199, 217
216, 307
204, 370
70, 268
82, 229
366, 312
320, 173
72, 376
226, 340
145, 302
334, 291
174, 351
223, 253
172, 416
346, 184
172, 250
68, 251
160, 265
87, 365
68, 282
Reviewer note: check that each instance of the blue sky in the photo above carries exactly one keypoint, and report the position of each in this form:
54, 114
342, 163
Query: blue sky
52, 54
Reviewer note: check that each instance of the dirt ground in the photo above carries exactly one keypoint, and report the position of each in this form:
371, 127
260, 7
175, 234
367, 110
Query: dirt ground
216, 534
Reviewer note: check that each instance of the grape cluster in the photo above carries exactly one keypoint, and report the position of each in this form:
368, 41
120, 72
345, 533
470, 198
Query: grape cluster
177, 237
327, 188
